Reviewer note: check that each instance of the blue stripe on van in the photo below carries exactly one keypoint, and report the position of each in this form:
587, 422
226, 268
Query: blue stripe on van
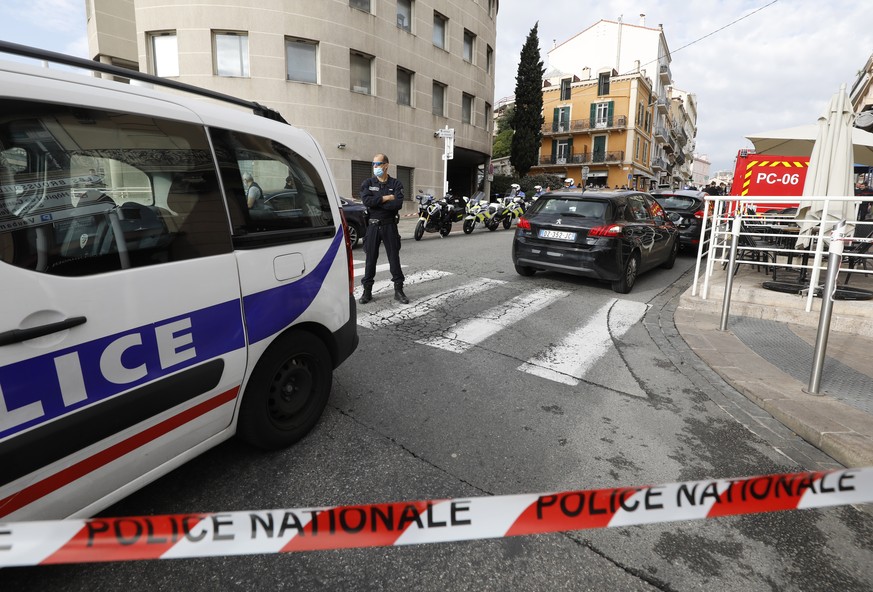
271, 311
154, 350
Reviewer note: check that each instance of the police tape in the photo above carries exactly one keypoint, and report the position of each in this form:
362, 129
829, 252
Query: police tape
407, 523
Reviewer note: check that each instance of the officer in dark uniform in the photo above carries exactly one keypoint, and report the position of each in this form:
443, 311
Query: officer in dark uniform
383, 196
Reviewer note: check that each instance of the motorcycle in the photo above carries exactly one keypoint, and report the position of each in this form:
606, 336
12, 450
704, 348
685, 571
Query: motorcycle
511, 208
437, 215
479, 211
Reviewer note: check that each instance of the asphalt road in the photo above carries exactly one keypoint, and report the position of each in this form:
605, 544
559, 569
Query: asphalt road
416, 415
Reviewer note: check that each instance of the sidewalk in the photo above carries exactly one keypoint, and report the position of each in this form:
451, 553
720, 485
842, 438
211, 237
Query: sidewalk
767, 355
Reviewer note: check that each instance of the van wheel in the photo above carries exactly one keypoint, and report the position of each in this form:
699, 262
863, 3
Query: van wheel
287, 392
628, 277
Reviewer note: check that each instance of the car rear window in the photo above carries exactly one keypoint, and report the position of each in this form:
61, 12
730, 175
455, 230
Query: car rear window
676, 201
571, 207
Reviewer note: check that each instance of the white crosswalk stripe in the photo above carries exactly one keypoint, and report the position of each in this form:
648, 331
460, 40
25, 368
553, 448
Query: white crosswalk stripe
415, 278
568, 361
419, 308
464, 335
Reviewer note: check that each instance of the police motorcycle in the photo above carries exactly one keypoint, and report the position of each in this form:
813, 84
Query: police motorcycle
512, 207
479, 211
437, 215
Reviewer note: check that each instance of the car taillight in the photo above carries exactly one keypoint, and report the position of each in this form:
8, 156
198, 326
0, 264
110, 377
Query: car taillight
699, 214
523, 224
348, 252
607, 230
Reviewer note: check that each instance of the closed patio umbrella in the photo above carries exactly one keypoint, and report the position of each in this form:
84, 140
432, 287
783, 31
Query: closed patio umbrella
830, 169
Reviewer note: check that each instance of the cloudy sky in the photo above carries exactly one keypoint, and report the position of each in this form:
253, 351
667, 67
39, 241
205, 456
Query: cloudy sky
775, 68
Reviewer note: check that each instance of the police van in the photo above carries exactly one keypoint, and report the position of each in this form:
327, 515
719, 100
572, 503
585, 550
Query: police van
148, 311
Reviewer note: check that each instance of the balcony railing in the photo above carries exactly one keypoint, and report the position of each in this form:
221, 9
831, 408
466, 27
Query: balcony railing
662, 104
590, 124
661, 133
614, 156
658, 164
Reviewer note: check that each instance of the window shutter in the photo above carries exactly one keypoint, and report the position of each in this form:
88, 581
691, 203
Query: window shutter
610, 108
554, 150
556, 119
593, 114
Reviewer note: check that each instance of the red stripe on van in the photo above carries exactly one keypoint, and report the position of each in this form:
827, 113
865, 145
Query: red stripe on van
66, 476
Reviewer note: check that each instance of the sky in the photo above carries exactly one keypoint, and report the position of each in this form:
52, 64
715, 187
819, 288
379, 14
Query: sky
777, 67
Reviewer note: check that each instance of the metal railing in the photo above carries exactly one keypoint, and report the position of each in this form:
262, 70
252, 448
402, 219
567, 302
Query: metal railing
775, 237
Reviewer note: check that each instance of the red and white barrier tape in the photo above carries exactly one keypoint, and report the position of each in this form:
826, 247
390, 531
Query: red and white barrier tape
407, 523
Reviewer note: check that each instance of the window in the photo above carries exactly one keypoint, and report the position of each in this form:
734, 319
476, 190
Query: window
404, 87
565, 89
603, 84
164, 49
469, 46
487, 116
440, 24
361, 73
439, 98
561, 119
360, 4
292, 193
404, 15
601, 114
489, 59
467, 108
73, 208
301, 60
231, 54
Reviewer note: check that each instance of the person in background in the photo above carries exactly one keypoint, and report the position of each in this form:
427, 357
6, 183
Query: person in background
254, 194
569, 183
383, 196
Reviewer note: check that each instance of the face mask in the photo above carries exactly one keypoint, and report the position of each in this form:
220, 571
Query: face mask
378, 171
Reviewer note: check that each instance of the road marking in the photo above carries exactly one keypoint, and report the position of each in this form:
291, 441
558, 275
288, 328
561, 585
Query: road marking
415, 278
359, 267
568, 361
423, 306
462, 336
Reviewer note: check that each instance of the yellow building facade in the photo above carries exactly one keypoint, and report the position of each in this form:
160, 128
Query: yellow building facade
601, 129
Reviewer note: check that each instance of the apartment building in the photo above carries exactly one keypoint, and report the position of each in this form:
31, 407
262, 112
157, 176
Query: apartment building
613, 80
362, 76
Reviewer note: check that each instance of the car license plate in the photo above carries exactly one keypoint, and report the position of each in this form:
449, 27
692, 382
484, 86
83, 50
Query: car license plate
558, 235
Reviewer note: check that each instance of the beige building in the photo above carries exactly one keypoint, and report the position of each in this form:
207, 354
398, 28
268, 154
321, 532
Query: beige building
363, 76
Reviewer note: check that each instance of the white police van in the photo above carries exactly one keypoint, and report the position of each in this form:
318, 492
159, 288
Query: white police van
147, 313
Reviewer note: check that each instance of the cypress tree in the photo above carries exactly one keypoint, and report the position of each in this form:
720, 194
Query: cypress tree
527, 119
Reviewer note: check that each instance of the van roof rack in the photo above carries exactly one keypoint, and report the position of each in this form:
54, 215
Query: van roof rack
60, 58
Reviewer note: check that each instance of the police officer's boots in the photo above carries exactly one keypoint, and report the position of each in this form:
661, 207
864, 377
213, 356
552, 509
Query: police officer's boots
367, 295
399, 295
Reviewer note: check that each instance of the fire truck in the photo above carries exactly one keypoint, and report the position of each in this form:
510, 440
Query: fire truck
769, 175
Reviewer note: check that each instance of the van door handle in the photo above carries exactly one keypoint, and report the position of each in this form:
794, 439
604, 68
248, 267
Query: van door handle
19, 335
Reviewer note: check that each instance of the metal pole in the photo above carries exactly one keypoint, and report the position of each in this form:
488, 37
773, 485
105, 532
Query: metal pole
729, 279
835, 256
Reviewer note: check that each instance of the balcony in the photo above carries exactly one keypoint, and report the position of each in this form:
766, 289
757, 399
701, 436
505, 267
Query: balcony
658, 164
665, 74
662, 105
661, 134
588, 125
612, 157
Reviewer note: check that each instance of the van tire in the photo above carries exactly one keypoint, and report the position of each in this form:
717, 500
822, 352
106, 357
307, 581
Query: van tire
287, 392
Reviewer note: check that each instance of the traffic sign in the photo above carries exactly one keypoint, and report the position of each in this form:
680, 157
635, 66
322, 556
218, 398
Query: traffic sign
446, 133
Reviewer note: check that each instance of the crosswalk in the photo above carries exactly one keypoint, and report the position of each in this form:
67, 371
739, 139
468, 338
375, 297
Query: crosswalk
566, 360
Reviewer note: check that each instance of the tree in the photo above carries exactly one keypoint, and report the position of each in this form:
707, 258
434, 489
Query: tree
503, 140
527, 120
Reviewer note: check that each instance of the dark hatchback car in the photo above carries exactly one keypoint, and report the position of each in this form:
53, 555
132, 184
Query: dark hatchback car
355, 212
685, 209
610, 236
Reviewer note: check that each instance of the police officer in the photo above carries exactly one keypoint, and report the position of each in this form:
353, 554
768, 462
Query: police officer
383, 196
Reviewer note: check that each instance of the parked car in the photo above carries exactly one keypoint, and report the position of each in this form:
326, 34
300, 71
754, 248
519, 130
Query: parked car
355, 211
685, 209
610, 236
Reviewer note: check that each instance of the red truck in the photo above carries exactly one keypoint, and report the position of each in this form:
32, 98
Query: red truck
769, 175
